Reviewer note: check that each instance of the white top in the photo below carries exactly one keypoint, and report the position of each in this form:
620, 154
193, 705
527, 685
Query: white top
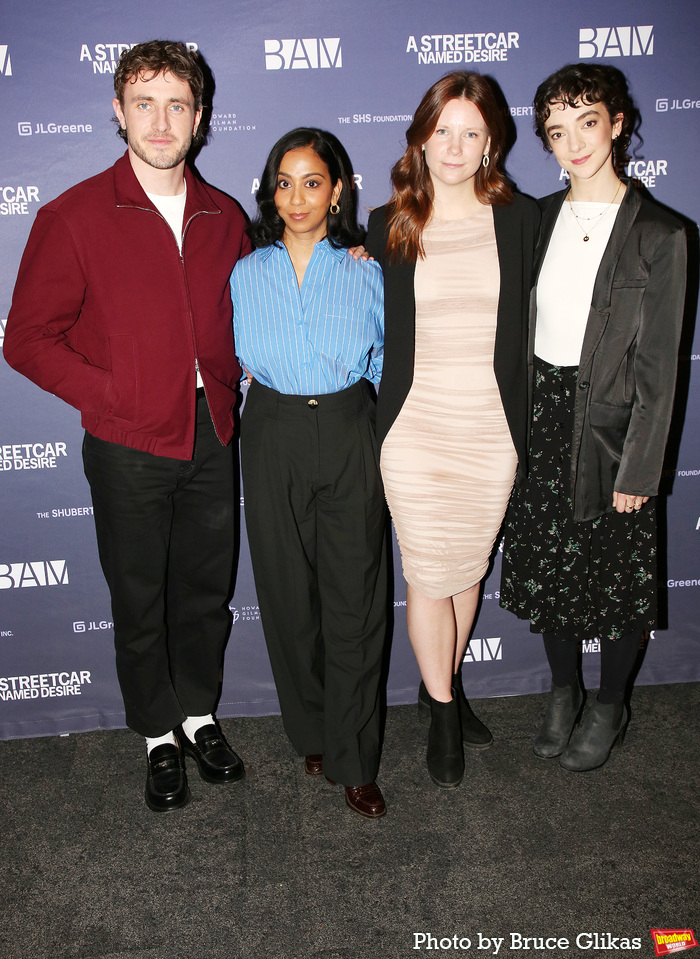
567, 277
172, 209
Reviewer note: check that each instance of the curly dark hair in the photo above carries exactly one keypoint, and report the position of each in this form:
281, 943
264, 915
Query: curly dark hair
268, 227
579, 83
411, 203
160, 56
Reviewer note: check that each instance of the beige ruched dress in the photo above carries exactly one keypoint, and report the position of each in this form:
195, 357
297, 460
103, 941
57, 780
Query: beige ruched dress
448, 461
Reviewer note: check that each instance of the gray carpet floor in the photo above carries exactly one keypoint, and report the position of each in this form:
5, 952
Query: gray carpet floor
277, 867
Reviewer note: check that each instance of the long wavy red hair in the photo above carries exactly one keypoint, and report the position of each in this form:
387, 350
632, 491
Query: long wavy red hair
411, 203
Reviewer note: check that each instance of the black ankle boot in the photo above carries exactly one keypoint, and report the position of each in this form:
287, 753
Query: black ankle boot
563, 711
475, 734
445, 756
603, 726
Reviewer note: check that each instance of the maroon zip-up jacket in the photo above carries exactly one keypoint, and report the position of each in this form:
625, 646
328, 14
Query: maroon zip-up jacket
107, 315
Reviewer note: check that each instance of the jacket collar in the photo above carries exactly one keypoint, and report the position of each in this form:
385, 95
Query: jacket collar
602, 290
129, 192
626, 215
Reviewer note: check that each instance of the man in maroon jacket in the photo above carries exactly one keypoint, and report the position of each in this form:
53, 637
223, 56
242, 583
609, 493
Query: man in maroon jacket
122, 309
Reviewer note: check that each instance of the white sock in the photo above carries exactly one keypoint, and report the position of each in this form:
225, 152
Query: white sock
193, 723
151, 743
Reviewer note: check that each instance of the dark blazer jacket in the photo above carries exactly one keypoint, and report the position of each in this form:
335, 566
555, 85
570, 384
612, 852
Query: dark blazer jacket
516, 227
627, 372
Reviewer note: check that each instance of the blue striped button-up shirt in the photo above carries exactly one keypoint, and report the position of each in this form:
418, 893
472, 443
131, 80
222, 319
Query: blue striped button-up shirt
322, 338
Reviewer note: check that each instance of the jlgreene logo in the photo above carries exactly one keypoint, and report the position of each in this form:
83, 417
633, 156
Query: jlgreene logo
615, 42
316, 53
669, 941
83, 626
27, 129
663, 104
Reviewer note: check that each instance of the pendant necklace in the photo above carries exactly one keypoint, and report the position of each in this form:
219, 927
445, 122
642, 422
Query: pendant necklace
598, 216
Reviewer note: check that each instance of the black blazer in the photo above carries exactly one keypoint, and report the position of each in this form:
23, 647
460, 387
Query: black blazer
627, 370
516, 227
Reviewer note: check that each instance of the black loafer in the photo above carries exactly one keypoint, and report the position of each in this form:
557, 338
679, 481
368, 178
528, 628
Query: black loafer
217, 762
166, 782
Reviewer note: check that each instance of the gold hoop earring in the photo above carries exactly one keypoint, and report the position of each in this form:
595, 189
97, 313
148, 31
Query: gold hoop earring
335, 208
485, 161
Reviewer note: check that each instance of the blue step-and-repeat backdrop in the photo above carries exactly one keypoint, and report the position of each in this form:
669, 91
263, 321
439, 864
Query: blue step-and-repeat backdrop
358, 69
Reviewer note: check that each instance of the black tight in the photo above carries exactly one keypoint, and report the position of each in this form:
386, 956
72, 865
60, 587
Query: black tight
617, 659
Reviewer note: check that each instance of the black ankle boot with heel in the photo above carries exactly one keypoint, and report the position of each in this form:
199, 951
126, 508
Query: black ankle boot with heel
563, 711
445, 756
475, 734
603, 727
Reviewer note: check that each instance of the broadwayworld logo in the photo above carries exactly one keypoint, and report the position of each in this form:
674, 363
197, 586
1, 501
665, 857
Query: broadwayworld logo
47, 572
615, 42
670, 941
316, 53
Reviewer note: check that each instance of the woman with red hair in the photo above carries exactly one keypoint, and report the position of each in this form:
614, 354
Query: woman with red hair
456, 247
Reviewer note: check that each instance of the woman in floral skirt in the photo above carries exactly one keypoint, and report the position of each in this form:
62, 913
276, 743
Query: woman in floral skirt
605, 318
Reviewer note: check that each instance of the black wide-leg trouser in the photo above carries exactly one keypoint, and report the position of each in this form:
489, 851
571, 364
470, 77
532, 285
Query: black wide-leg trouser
165, 531
316, 521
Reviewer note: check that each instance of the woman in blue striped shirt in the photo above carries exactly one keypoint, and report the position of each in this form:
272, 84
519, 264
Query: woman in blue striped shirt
309, 329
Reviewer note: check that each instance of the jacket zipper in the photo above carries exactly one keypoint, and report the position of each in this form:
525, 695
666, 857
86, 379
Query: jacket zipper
185, 227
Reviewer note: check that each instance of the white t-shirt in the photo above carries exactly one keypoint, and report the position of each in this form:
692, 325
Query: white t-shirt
172, 208
567, 278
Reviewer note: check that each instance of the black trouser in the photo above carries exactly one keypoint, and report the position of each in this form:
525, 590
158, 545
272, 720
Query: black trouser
165, 536
316, 521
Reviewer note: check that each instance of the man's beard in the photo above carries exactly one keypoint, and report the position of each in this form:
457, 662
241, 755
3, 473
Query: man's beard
157, 158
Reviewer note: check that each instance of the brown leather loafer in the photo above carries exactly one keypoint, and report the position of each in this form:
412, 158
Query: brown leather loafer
313, 764
366, 800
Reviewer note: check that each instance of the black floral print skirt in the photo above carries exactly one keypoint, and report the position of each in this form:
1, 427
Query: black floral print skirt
583, 580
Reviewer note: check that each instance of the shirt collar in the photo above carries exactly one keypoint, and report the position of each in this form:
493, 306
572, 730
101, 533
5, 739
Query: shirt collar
323, 246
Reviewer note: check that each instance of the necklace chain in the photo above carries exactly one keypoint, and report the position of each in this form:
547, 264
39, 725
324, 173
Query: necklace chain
599, 216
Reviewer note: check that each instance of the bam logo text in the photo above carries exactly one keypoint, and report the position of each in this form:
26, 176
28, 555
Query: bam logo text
309, 54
